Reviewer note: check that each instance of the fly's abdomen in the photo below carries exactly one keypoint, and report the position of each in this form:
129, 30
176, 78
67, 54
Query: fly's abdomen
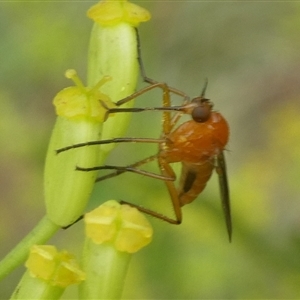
193, 180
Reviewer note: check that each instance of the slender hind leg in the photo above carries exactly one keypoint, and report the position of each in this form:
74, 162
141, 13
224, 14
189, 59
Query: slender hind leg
166, 171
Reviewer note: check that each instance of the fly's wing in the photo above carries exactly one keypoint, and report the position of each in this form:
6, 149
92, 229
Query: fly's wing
224, 189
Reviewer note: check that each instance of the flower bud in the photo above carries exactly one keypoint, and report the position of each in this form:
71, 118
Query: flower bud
48, 273
113, 52
79, 120
113, 233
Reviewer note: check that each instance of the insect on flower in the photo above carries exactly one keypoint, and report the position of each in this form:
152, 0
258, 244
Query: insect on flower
198, 144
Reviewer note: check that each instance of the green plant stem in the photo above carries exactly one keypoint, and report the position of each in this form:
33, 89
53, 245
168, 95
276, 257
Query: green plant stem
39, 235
35, 288
106, 269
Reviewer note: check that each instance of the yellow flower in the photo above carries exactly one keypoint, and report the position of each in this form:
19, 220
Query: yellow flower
122, 225
113, 12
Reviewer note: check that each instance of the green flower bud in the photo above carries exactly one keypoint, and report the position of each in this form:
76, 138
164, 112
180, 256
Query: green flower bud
113, 52
113, 58
79, 120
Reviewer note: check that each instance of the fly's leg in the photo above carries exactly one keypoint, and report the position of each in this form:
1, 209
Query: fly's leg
166, 171
135, 165
168, 123
151, 213
167, 109
167, 175
118, 170
152, 85
111, 141
121, 169
148, 79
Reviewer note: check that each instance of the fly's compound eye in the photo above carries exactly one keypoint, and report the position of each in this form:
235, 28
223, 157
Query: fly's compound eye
201, 113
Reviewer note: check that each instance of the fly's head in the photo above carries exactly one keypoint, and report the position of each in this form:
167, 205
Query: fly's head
199, 108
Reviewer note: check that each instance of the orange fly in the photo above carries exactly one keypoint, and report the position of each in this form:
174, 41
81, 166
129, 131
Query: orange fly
198, 144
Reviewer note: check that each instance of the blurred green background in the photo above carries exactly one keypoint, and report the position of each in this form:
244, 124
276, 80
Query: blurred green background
250, 53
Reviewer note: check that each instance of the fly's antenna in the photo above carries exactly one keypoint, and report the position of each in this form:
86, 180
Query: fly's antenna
204, 88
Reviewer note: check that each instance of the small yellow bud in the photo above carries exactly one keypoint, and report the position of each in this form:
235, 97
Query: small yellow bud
56, 268
101, 222
122, 225
78, 102
135, 231
114, 12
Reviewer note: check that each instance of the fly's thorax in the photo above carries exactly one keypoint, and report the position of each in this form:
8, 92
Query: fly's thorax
195, 142
220, 129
